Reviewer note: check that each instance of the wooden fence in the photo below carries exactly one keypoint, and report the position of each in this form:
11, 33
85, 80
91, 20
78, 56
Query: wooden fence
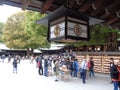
101, 60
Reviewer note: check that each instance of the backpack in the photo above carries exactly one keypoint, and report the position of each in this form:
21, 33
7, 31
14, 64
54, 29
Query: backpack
89, 65
38, 64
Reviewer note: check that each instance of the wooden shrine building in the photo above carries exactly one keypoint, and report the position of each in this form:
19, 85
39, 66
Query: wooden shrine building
108, 11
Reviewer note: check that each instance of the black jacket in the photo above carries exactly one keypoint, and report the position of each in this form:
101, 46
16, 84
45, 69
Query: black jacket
92, 64
114, 72
46, 63
14, 63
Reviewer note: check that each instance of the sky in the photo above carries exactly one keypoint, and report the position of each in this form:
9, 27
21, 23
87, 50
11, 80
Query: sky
6, 11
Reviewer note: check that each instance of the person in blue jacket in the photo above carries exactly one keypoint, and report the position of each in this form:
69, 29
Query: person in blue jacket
75, 67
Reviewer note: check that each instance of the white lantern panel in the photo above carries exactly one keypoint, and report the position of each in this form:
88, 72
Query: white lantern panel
57, 30
77, 29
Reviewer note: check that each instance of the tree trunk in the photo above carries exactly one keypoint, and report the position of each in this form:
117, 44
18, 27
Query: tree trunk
86, 48
32, 50
28, 53
104, 47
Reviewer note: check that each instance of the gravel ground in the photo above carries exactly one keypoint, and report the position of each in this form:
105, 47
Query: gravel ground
27, 78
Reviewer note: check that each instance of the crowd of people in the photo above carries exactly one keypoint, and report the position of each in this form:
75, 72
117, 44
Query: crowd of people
71, 63
76, 69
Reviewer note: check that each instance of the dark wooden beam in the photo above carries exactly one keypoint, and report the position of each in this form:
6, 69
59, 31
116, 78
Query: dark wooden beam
25, 4
110, 21
113, 6
86, 6
79, 2
36, 3
95, 12
118, 26
118, 14
117, 23
53, 7
105, 15
46, 5
97, 4
100, 8
71, 3
111, 9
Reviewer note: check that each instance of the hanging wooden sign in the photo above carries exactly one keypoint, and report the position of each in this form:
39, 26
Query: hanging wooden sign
66, 24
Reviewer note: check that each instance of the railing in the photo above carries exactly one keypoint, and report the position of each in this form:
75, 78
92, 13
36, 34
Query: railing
98, 53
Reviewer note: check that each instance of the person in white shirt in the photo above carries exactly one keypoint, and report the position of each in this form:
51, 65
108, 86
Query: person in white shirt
84, 68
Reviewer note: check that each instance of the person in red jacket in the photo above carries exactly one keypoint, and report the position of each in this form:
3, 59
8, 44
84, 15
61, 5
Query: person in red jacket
115, 74
91, 67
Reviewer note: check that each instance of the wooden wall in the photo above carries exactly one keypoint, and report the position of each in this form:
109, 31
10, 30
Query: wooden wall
102, 63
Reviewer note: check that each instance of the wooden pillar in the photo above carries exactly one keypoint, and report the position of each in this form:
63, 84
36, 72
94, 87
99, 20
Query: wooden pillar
102, 59
87, 57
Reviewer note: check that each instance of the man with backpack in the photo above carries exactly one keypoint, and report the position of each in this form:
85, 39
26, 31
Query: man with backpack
91, 67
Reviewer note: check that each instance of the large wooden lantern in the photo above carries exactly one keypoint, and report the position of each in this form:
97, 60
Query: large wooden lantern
66, 25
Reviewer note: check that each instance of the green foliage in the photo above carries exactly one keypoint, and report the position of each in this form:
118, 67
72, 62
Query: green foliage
13, 32
21, 31
98, 35
30, 24
37, 32
118, 36
1, 27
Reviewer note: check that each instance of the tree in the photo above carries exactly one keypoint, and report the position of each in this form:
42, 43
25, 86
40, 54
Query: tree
38, 33
21, 31
1, 27
14, 35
